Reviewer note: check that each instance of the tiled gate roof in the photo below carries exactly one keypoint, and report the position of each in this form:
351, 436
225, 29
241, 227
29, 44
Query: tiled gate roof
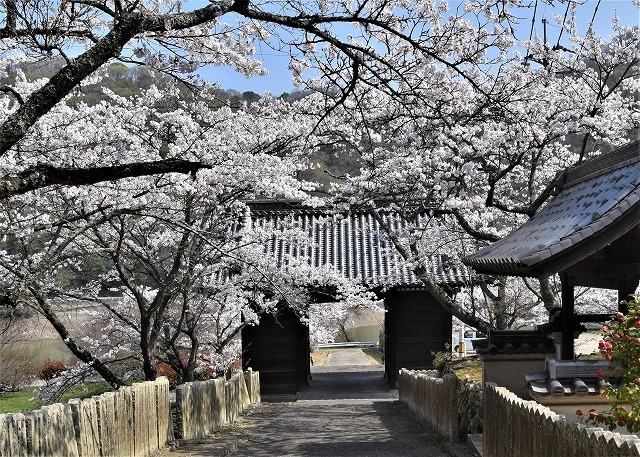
352, 244
600, 198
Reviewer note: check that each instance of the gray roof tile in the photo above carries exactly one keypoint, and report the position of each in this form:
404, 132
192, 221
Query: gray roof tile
353, 245
593, 196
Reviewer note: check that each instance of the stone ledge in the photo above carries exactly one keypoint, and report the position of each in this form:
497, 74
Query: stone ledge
474, 443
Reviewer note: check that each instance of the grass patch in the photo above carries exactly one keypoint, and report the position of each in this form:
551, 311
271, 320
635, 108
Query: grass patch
471, 368
319, 356
17, 402
375, 357
27, 400
86, 390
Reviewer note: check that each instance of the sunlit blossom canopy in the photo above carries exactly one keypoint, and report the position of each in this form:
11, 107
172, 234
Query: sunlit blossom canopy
352, 244
596, 210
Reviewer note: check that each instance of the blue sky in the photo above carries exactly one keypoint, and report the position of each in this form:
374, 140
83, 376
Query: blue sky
279, 78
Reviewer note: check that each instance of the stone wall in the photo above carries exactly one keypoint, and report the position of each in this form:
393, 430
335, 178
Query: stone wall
513, 426
133, 421
205, 406
432, 399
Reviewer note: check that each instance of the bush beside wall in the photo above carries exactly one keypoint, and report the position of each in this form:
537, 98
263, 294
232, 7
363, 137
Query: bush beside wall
469, 407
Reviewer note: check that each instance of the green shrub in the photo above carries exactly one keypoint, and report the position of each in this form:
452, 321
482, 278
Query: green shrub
442, 358
621, 346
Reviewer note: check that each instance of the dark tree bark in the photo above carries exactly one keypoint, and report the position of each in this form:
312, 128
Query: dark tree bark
47, 175
81, 353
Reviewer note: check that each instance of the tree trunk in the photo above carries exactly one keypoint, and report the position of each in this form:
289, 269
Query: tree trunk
82, 354
546, 294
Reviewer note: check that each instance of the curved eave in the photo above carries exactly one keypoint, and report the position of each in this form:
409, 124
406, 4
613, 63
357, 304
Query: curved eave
592, 238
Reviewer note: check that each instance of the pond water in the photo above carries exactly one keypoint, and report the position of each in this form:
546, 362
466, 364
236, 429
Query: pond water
40, 351
366, 333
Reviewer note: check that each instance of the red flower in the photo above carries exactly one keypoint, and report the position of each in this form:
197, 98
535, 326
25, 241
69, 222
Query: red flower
607, 346
579, 412
592, 413
616, 336
600, 374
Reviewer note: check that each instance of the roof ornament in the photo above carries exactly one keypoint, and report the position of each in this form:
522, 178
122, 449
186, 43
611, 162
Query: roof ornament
560, 180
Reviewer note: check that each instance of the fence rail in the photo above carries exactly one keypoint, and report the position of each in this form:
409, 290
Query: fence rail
434, 400
351, 344
513, 426
133, 421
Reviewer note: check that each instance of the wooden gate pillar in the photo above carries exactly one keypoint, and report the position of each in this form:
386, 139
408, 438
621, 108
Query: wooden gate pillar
415, 326
278, 347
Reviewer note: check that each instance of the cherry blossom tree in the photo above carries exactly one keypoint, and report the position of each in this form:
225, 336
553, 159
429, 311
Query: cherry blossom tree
187, 270
436, 104
386, 45
483, 151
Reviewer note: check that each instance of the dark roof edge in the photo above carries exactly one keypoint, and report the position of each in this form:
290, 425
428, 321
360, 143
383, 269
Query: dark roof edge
603, 164
567, 257
589, 245
297, 206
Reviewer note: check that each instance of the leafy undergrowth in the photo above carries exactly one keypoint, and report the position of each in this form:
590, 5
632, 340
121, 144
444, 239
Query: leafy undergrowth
470, 367
27, 399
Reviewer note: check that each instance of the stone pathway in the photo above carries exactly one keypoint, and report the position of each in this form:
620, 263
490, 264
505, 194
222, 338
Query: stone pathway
346, 411
347, 357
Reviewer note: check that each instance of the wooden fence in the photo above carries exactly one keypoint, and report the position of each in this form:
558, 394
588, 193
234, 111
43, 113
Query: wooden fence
205, 406
134, 421
432, 399
513, 426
